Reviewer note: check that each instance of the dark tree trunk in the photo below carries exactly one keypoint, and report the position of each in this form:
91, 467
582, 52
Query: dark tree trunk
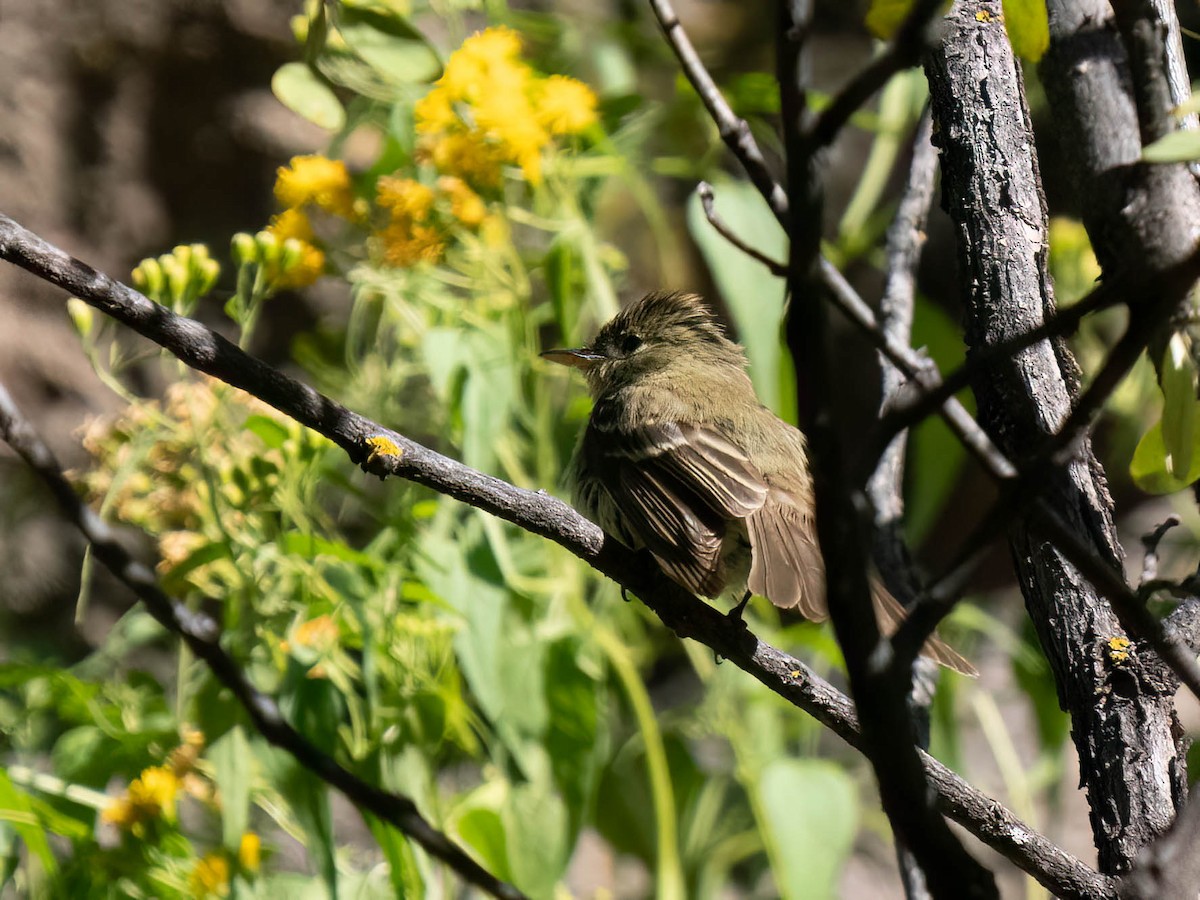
1123, 724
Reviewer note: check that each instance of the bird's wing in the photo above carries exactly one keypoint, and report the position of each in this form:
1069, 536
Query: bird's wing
678, 485
787, 566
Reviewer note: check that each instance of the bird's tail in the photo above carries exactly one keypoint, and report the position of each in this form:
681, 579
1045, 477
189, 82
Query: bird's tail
889, 613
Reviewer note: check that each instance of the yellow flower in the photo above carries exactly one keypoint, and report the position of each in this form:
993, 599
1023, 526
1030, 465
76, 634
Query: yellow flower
565, 106
492, 45
435, 112
184, 757
405, 197
402, 244
211, 876
468, 155
465, 205
315, 180
320, 633
150, 796
291, 223
155, 789
302, 262
481, 62
250, 852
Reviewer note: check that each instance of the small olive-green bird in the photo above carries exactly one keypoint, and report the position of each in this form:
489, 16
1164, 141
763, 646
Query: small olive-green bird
681, 459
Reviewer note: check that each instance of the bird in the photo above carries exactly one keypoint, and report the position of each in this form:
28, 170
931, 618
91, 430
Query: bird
680, 459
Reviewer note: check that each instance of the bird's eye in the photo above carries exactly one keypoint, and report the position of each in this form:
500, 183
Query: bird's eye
629, 343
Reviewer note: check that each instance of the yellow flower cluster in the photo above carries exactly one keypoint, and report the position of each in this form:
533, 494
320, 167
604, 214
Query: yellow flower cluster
315, 181
305, 265
307, 181
490, 108
210, 877
420, 218
150, 796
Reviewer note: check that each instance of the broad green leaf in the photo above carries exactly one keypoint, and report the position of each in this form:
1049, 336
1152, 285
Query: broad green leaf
232, 771
1028, 27
536, 821
478, 823
810, 809
1178, 146
1149, 465
302, 91
573, 727
752, 294
389, 44
17, 811
1177, 377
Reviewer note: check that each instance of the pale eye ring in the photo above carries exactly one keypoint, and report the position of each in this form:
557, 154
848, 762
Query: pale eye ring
629, 343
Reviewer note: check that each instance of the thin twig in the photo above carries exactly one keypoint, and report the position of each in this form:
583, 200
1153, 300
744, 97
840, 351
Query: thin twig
905, 238
539, 513
733, 130
911, 40
202, 635
1150, 544
707, 202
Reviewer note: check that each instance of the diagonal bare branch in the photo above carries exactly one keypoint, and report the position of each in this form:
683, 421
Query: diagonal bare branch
541, 514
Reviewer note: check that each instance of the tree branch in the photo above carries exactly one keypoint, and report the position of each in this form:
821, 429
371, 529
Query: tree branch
733, 130
541, 514
912, 39
707, 202
1129, 760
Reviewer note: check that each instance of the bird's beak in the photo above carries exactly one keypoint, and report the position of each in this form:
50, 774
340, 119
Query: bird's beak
579, 358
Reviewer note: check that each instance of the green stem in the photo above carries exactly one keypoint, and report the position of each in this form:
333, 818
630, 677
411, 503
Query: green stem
669, 881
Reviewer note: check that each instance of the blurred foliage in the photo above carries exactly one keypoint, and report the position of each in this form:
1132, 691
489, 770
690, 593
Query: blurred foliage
431, 649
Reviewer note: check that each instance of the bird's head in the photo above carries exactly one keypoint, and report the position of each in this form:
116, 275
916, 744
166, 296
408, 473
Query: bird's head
660, 331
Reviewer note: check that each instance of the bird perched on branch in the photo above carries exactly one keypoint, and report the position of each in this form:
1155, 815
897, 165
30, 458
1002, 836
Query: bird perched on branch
681, 459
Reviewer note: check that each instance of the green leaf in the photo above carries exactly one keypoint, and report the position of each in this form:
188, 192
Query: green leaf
403, 872
17, 811
308, 798
1028, 27
573, 727
1149, 465
884, 17
270, 431
478, 823
1178, 146
232, 770
389, 44
1177, 378
810, 808
752, 294
305, 93
536, 820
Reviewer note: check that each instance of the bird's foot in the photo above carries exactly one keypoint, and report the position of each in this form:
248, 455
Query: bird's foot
735, 614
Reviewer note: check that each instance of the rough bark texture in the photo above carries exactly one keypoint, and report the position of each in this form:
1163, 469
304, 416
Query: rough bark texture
1122, 720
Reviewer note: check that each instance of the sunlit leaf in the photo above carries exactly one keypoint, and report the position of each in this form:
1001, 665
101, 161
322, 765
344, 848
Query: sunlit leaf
1028, 27
1178, 146
1177, 377
17, 811
302, 91
1149, 465
811, 810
